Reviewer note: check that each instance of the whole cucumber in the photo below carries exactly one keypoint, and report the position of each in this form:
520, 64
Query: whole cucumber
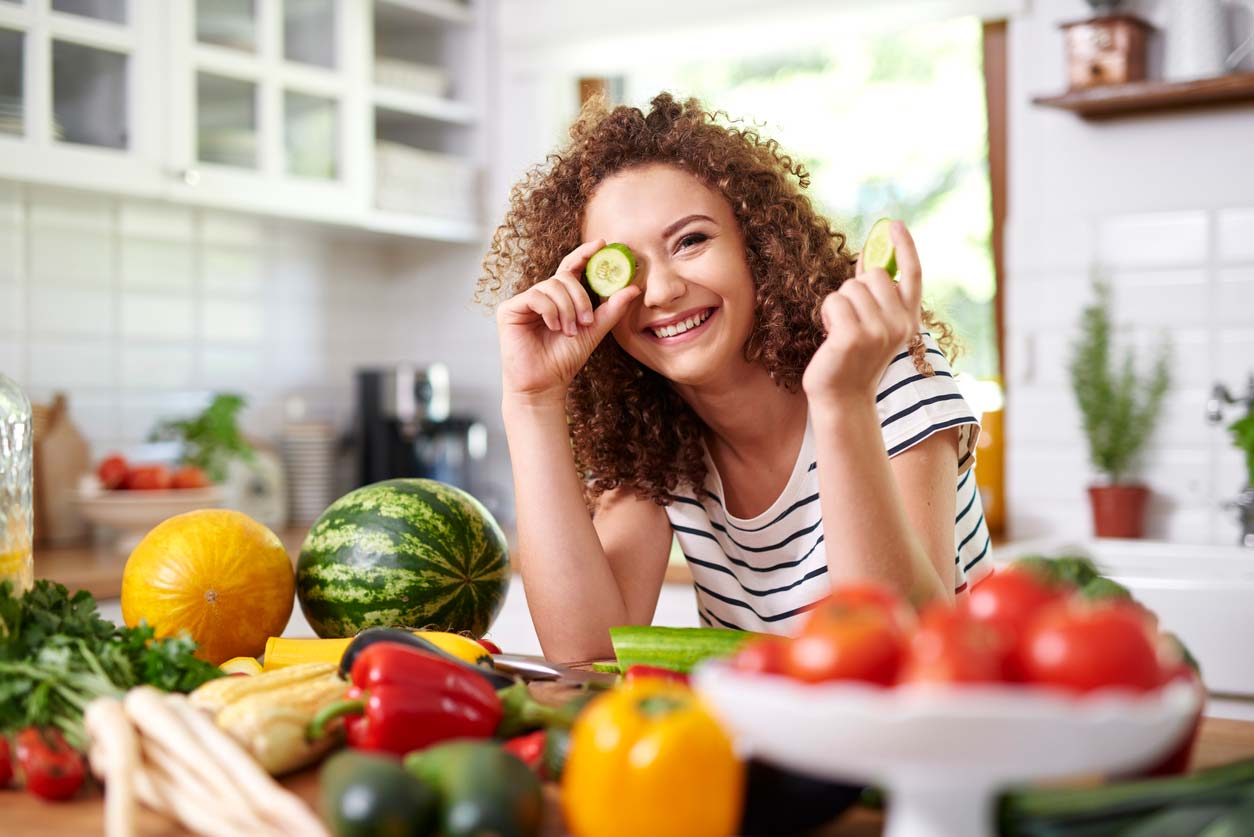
366, 795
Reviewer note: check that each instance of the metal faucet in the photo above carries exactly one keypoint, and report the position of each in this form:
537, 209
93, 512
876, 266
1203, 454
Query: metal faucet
1243, 504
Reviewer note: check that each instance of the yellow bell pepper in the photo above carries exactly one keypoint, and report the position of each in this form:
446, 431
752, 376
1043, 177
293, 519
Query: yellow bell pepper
282, 652
648, 758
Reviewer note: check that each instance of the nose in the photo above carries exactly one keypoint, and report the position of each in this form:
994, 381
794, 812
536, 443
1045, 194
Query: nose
662, 286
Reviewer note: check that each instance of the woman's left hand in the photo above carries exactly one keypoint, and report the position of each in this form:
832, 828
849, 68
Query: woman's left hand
869, 319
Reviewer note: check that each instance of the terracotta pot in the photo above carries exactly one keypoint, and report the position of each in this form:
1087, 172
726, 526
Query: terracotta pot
1118, 510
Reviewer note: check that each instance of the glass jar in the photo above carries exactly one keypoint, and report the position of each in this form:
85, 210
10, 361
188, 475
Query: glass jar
16, 520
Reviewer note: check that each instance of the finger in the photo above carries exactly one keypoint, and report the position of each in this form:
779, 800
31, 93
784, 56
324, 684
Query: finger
870, 317
857, 270
575, 260
579, 295
557, 292
546, 308
884, 289
909, 272
838, 313
609, 312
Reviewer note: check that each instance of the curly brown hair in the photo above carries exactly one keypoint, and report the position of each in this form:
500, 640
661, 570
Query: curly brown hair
629, 427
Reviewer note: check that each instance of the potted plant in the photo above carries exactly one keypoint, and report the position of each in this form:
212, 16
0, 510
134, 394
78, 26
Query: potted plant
1119, 408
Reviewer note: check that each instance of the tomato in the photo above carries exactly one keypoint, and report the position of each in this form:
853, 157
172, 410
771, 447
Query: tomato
635, 672
112, 471
764, 655
952, 647
864, 594
149, 478
1082, 647
1009, 599
865, 644
6, 764
52, 768
492, 647
189, 476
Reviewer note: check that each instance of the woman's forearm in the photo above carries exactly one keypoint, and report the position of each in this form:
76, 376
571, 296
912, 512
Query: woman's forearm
867, 532
573, 596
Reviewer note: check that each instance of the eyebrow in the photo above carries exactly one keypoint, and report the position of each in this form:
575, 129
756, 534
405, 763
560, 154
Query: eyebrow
683, 222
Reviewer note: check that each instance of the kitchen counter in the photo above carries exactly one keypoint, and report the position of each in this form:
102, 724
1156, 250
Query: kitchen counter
1221, 741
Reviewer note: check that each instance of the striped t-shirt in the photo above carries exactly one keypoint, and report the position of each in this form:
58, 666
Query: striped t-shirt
764, 573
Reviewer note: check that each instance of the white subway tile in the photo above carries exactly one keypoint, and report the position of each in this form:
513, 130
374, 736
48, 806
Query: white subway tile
95, 414
13, 360
227, 321
1048, 472
1063, 520
82, 211
12, 309
299, 365
157, 367
1234, 361
71, 312
1180, 473
149, 316
1043, 414
1236, 235
1183, 419
1231, 473
232, 271
1234, 297
1052, 300
12, 204
229, 228
142, 413
152, 264
1159, 238
1167, 520
154, 219
12, 251
1168, 298
222, 368
67, 364
63, 255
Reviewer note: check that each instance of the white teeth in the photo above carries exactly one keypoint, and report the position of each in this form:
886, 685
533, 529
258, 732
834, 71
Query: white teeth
680, 327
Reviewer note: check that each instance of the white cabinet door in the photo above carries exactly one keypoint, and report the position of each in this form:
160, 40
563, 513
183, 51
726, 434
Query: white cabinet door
80, 93
266, 100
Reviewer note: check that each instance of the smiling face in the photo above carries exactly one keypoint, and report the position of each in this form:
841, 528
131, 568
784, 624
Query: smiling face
691, 323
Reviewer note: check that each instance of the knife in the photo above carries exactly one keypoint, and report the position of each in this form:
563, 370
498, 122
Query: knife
537, 668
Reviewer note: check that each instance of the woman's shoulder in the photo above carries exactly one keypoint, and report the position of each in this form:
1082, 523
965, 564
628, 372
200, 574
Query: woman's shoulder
915, 403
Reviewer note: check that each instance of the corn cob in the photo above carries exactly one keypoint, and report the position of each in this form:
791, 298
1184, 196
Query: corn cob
272, 725
216, 695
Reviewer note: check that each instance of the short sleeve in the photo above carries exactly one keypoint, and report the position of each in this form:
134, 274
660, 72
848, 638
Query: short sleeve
913, 406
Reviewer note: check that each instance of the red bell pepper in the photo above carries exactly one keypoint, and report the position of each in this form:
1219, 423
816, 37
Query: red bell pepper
404, 699
53, 769
6, 763
528, 747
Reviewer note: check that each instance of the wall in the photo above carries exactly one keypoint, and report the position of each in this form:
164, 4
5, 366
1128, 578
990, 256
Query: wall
141, 310
1162, 205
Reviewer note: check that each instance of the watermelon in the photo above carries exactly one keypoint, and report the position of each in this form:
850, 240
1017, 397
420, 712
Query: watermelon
413, 553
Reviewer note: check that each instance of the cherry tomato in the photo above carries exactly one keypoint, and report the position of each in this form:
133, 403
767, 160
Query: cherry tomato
149, 478
859, 595
865, 644
189, 476
952, 647
112, 472
53, 769
1082, 647
638, 671
764, 655
6, 764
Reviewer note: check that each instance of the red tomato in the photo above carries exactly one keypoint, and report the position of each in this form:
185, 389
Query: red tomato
638, 671
53, 769
491, 646
865, 644
1008, 600
764, 655
952, 647
149, 478
112, 471
1082, 647
189, 476
6, 764
864, 594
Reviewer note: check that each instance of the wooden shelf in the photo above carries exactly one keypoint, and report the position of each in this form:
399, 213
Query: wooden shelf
428, 107
1115, 100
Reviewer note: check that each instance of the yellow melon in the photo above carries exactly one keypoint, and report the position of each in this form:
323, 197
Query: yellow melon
215, 574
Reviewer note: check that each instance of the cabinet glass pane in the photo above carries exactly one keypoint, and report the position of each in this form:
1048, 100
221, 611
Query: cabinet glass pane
309, 31
110, 10
228, 23
310, 127
226, 117
12, 120
89, 95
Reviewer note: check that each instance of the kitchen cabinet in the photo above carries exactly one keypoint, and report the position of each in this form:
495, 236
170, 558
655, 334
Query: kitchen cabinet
350, 113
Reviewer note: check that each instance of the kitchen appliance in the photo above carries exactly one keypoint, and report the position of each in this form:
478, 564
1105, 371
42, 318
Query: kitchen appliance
405, 427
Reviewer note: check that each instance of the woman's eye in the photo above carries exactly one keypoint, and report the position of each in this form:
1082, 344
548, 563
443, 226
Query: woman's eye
691, 240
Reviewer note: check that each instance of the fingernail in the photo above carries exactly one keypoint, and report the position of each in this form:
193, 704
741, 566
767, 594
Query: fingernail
586, 318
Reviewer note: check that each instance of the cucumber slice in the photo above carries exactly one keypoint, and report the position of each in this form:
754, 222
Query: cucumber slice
610, 269
878, 250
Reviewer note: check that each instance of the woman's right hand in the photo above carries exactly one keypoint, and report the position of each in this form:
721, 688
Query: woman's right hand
548, 331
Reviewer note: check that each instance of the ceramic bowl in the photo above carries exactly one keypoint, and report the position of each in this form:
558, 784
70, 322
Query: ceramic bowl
134, 513
943, 753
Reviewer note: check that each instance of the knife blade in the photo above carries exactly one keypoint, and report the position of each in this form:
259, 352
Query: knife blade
530, 667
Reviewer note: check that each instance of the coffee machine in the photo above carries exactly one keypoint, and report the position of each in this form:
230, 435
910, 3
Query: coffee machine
405, 427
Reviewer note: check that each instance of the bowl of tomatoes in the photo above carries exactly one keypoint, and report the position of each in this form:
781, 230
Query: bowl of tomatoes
1024, 679
132, 498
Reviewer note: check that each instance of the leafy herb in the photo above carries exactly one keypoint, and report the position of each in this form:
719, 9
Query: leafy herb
1119, 408
57, 654
1243, 436
210, 440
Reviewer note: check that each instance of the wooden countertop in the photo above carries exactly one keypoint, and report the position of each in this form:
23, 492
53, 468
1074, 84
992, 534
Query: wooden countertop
1221, 741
